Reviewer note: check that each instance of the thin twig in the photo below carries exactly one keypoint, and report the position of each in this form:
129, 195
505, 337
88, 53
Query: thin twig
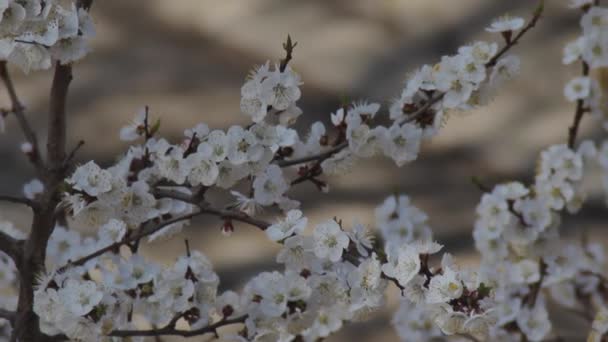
535, 17
11, 247
72, 154
578, 113
171, 331
422, 110
535, 288
18, 110
206, 209
288, 46
32, 43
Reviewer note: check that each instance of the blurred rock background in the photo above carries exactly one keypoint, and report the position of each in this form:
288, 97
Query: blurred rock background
187, 60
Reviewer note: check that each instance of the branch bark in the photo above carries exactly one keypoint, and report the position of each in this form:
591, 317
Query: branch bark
206, 209
34, 250
19, 200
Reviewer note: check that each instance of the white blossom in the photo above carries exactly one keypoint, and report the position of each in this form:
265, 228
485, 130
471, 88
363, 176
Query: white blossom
294, 223
505, 24
330, 240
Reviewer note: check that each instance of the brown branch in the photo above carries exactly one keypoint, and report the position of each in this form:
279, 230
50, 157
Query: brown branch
422, 110
34, 250
578, 113
72, 154
288, 46
11, 247
316, 157
18, 110
170, 330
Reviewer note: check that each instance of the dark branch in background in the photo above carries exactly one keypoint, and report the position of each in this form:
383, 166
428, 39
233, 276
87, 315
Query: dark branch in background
20, 200
170, 330
7, 315
18, 110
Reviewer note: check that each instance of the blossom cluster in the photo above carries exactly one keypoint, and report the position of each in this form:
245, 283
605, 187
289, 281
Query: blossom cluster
591, 47
35, 33
94, 287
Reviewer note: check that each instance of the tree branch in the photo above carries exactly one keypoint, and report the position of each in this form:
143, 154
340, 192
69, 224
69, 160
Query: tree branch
8, 315
11, 247
34, 251
20, 200
206, 209
315, 157
85, 4
57, 121
535, 17
171, 331
578, 113
411, 117
226, 214
140, 234
18, 110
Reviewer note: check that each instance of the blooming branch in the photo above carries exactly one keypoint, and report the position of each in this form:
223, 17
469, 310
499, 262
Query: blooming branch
170, 329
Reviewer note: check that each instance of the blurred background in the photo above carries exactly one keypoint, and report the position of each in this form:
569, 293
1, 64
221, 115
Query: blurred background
187, 60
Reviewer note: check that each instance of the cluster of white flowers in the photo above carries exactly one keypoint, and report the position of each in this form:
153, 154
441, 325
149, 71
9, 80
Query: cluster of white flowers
35, 33
591, 47
95, 286
517, 235
87, 302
